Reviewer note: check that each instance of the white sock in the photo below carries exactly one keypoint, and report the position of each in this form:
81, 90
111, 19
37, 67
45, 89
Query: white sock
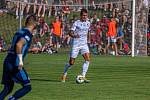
85, 68
66, 68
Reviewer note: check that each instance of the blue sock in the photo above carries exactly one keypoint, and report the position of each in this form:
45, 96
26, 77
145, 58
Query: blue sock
21, 92
66, 68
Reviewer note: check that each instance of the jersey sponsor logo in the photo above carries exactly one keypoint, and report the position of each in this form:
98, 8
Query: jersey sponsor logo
27, 38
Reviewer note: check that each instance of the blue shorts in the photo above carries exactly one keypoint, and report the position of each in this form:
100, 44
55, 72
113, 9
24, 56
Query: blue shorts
11, 73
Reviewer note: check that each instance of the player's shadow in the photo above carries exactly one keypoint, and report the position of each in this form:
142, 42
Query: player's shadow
44, 80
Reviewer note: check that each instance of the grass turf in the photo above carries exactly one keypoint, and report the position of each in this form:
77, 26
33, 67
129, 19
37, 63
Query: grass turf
112, 78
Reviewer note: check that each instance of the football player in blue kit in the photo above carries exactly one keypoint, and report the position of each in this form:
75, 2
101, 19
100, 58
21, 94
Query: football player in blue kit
13, 70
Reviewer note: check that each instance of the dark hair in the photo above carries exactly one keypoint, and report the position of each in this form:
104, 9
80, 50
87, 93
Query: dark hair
31, 19
83, 11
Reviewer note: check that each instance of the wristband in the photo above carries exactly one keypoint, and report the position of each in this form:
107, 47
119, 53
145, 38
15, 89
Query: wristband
20, 58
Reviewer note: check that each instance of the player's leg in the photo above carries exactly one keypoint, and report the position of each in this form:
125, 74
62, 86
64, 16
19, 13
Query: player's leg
6, 90
67, 66
22, 78
21, 92
73, 54
85, 66
6, 80
86, 55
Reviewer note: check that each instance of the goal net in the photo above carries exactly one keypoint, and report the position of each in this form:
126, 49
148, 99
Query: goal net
141, 25
8, 24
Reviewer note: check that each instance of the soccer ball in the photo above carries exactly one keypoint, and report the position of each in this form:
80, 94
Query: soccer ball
79, 79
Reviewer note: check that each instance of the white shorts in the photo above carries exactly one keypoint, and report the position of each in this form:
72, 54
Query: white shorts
112, 39
79, 49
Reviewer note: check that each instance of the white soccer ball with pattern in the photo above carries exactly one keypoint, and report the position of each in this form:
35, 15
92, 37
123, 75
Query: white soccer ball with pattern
79, 79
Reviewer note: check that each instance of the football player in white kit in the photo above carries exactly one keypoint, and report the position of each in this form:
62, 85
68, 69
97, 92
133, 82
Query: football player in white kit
80, 34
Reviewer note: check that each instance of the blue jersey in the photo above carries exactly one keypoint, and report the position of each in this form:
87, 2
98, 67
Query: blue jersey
22, 33
11, 63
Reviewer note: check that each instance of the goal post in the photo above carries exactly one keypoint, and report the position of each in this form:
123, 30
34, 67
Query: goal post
133, 29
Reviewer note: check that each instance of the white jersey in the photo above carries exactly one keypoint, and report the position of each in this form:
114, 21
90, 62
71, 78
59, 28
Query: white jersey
80, 28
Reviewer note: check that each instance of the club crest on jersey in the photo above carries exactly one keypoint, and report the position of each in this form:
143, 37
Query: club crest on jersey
27, 37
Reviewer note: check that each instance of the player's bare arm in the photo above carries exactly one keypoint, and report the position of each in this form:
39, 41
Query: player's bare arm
89, 37
19, 46
71, 33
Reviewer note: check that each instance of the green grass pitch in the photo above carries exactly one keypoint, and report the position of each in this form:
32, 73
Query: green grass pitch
112, 78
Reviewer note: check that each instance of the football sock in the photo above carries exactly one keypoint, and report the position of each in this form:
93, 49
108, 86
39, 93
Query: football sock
21, 92
85, 68
66, 68
11, 98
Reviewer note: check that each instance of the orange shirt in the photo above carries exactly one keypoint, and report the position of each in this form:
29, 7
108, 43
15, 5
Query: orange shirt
57, 28
112, 31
